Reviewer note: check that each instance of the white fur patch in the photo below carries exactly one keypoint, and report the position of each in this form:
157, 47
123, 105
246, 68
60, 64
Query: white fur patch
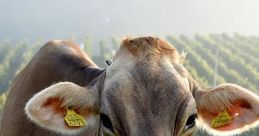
71, 94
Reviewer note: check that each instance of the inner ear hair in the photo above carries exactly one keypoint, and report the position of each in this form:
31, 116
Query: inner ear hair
226, 96
67, 94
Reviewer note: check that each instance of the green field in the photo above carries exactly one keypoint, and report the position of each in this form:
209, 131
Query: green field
211, 59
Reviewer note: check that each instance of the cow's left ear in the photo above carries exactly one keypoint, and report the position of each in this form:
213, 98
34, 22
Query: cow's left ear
49, 107
227, 109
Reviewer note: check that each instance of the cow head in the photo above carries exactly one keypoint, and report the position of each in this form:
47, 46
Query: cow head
145, 92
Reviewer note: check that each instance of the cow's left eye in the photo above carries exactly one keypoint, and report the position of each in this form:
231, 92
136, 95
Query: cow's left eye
190, 121
106, 122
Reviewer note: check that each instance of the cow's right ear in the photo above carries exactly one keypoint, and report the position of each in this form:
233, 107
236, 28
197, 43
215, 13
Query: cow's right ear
227, 109
48, 108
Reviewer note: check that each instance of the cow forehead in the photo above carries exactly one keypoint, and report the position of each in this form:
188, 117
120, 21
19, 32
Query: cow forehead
161, 81
144, 60
163, 75
146, 56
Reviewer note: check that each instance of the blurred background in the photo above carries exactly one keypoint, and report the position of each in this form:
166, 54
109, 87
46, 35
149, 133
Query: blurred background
221, 37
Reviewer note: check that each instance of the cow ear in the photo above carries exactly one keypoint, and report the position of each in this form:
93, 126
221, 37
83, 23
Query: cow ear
49, 107
227, 109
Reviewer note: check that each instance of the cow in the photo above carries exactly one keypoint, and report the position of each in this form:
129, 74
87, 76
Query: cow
56, 61
146, 91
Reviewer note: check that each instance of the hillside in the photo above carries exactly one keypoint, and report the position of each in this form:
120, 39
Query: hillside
211, 59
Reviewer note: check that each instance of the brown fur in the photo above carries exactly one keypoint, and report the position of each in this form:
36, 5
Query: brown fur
148, 44
146, 47
56, 61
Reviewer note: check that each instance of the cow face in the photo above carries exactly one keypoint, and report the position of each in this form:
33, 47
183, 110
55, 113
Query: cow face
146, 92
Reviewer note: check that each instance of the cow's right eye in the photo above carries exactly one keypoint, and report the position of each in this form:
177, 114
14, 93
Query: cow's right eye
106, 122
190, 121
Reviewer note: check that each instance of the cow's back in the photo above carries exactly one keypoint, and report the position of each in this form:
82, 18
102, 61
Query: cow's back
56, 61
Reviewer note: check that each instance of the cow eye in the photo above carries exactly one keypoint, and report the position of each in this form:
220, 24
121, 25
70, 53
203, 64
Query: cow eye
190, 121
106, 122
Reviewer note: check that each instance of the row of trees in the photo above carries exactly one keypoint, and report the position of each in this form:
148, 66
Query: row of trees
211, 59
215, 59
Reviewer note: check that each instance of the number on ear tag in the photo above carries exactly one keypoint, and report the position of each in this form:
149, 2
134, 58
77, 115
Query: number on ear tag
222, 119
73, 119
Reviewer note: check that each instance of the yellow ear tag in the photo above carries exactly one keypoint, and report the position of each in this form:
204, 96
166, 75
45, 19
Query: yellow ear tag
73, 119
222, 119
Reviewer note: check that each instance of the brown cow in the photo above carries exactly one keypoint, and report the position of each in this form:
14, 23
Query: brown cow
55, 62
145, 92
